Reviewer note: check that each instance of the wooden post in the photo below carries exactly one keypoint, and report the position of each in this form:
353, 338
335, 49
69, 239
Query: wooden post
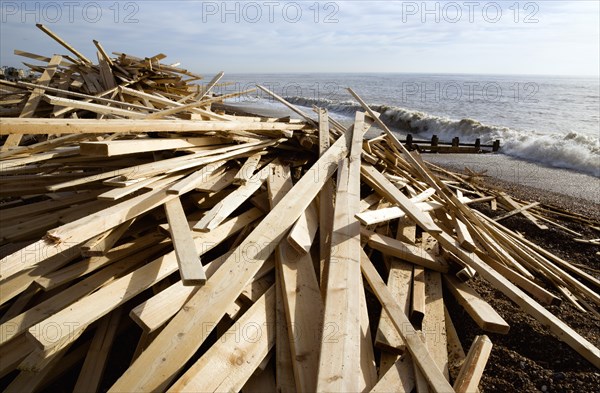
455, 141
434, 141
496, 145
478, 144
409, 139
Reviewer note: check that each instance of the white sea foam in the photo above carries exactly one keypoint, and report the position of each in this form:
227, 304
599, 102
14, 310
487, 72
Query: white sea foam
571, 150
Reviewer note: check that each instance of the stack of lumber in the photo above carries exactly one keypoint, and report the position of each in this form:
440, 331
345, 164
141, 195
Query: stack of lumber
242, 253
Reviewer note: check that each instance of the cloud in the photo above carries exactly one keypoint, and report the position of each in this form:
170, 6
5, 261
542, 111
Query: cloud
322, 36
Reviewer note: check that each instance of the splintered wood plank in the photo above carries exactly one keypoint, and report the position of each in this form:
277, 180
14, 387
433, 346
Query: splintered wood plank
159, 363
529, 305
303, 232
301, 294
262, 382
190, 266
248, 169
34, 99
224, 208
231, 361
482, 313
97, 356
472, 369
384, 187
434, 325
404, 251
421, 356
340, 367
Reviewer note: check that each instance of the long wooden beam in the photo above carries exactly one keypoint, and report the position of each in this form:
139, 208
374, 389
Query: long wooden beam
9, 125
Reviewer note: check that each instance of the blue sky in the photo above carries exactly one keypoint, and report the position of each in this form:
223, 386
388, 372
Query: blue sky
483, 37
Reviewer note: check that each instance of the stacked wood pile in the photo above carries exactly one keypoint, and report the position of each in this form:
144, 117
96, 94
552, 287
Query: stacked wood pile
245, 248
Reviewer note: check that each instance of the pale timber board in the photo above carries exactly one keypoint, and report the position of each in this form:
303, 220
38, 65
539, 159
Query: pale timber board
190, 268
301, 294
225, 207
434, 325
303, 232
529, 305
415, 346
142, 145
228, 364
164, 357
482, 313
404, 251
109, 297
472, 369
97, 356
86, 126
340, 364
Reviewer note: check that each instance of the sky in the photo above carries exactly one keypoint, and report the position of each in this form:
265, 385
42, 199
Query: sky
468, 37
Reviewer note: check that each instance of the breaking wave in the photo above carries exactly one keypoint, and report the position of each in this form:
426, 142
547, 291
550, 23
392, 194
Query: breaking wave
571, 150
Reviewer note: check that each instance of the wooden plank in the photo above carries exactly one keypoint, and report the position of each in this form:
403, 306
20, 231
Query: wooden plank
562, 330
225, 207
63, 43
303, 232
510, 202
399, 378
92, 307
415, 346
516, 211
101, 126
301, 294
232, 360
404, 251
472, 369
285, 379
262, 382
34, 99
399, 283
463, 235
368, 370
325, 204
101, 244
247, 170
385, 188
100, 109
339, 363
164, 357
142, 145
482, 313
97, 356
190, 267
417, 306
198, 178
156, 311
69, 235
434, 324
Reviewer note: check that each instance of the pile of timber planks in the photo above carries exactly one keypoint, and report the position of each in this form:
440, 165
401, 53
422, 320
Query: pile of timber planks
244, 247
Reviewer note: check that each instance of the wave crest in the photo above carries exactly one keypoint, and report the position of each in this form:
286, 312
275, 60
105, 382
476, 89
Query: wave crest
572, 150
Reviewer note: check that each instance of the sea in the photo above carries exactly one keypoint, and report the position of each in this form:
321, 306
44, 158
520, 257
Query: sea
548, 126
